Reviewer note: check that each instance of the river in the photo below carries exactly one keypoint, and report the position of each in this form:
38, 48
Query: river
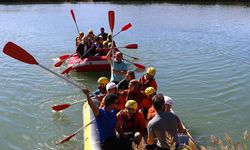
201, 53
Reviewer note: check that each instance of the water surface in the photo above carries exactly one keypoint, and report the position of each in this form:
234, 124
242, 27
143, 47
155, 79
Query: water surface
201, 54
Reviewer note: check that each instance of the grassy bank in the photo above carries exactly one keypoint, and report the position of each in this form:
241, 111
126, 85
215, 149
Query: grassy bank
206, 2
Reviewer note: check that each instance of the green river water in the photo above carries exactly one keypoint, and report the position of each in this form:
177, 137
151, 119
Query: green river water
201, 53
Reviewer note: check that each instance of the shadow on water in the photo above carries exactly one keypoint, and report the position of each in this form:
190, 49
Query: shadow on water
134, 2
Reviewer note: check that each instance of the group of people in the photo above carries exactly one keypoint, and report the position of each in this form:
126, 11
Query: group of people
93, 45
131, 110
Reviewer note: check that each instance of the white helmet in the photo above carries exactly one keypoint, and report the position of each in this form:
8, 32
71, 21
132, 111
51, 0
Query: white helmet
168, 100
110, 85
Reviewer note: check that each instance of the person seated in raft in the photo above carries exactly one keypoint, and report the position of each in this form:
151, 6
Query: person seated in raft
148, 80
86, 48
106, 121
109, 40
163, 127
103, 34
100, 50
91, 36
79, 39
130, 123
150, 93
101, 90
123, 85
136, 94
120, 102
119, 67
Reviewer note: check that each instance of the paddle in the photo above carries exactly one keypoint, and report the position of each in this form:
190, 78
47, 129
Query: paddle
131, 56
111, 15
77, 131
124, 28
74, 18
60, 62
69, 137
63, 58
136, 64
129, 46
64, 106
18, 53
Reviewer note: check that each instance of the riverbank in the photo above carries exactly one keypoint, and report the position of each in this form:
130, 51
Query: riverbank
207, 2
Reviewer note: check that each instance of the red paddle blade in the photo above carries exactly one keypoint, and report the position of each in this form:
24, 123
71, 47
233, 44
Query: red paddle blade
131, 46
60, 107
66, 139
126, 27
111, 15
67, 70
64, 56
15, 51
139, 66
59, 63
73, 15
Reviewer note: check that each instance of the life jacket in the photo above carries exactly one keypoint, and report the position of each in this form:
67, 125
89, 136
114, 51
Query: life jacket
147, 83
130, 123
137, 96
120, 103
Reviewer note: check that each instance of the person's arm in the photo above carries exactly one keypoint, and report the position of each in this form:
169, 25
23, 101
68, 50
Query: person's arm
109, 59
151, 137
120, 72
92, 105
119, 125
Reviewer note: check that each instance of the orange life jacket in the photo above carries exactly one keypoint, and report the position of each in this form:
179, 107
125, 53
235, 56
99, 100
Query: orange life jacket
147, 83
134, 123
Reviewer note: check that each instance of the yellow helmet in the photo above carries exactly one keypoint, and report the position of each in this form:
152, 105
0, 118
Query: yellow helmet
151, 71
149, 90
103, 80
131, 104
105, 42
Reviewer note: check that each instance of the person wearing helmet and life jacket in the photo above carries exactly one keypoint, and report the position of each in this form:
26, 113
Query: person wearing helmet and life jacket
123, 85
130, 123
148, 80
91, 36
120, 102
101, 91
134, 92
109, 39
149, 92
119, 67
79, 39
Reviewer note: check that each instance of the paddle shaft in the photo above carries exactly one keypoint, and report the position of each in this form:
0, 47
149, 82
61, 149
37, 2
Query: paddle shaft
117, 33
77, 102
69, 81
130, 56
196, 144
